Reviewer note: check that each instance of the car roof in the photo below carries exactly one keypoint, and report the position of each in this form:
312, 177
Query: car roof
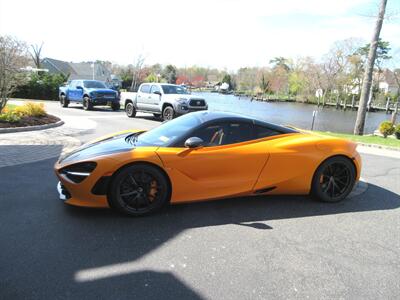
209, 116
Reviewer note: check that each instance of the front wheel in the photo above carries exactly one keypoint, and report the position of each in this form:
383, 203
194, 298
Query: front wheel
87, 105
138, 190
63, 101
115, 106
130, 110
334, 179
168, 113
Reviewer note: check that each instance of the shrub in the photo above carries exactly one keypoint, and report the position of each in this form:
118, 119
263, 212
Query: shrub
30, 109
9, 117
397, 131
386, 128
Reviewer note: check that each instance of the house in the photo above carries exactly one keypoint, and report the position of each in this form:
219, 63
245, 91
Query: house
83, 70
388, 82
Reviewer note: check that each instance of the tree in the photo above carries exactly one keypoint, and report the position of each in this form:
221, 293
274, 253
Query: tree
13, 57
264, 84
280, 62
227, 79
36, 55
137, 72
169, 73
367, 80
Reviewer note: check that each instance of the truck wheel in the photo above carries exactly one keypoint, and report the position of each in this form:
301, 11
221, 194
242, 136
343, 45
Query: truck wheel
168, 113
115, 106
63, 101
130, 110
87, 105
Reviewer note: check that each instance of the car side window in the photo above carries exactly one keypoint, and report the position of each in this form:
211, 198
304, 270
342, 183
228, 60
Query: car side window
145, 88
212, 135
225, 133
238, 132
155, 88
72, 84
263, 131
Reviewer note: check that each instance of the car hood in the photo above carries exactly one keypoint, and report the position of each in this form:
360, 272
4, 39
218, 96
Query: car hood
100, 90
108, 145
185, 96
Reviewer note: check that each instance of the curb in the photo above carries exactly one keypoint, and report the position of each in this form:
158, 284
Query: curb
31, 128
379, 146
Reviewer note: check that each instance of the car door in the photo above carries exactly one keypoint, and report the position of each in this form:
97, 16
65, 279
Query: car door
155, 97
229, 163
72, 90
143, 95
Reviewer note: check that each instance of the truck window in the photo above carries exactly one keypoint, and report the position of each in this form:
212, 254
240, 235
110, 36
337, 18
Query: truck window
145, 88
155, 88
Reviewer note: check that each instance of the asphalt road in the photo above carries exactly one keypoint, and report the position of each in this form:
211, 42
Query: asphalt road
247, 248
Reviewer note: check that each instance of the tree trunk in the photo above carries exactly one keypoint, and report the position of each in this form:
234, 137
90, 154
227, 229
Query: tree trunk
367, 81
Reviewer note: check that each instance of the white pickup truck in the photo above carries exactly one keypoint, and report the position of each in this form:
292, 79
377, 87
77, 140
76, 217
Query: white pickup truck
162, 100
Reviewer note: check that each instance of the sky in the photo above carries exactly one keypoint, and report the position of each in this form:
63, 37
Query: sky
226, 34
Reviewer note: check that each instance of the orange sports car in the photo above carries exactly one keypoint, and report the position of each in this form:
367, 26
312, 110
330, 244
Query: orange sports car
205, 155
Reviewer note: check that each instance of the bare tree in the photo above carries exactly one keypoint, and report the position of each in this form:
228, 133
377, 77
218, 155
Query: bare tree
36, 54
137, 70
367, 81
13, 57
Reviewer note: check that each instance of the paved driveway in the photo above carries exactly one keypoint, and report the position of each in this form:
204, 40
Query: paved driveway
246, 248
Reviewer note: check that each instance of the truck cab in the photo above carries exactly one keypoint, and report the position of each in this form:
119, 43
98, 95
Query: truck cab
162, 100
89, 93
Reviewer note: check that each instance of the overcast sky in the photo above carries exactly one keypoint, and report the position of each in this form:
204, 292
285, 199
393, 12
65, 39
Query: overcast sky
216, 33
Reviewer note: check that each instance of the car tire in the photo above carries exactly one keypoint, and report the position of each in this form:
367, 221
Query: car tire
115, 106
334, 179
168, 113
87, 104
63, 101
139, 190
130, 110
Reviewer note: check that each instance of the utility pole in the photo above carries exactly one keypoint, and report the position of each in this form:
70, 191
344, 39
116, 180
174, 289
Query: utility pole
369, 69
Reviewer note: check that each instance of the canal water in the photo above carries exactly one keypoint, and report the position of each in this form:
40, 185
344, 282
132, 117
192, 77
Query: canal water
295, 114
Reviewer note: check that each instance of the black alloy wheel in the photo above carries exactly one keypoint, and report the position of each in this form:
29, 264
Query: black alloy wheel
87, 105
334, 179
63, 101
168, 113
130, 110
139, 190
115, 106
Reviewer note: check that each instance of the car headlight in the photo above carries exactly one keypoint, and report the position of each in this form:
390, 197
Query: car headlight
78, 172
182, 101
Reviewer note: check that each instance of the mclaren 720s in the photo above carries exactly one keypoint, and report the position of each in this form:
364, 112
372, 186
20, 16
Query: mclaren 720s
205, 155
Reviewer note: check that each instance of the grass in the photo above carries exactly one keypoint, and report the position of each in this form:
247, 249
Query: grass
11, 106
366, 139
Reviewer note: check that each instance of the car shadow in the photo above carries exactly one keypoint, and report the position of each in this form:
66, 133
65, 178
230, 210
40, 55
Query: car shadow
62, 251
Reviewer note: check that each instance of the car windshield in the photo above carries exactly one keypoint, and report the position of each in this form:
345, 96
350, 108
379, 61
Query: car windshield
90, 84
174, 89
166, 133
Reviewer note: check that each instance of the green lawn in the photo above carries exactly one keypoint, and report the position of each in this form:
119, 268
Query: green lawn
366, 139
11, 106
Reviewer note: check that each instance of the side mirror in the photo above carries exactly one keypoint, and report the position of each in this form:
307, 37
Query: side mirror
79, 88
194, 142
157, 93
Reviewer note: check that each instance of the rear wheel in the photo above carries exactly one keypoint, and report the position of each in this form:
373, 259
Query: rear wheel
334, 179
63, 101
139, 190
130, 110
115, 106
168, 113
87, 105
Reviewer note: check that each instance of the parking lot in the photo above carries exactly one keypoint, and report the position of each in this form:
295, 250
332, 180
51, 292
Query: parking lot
244, 248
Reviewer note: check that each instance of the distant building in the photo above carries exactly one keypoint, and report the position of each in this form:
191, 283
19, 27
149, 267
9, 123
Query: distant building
388, 83
82, 70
